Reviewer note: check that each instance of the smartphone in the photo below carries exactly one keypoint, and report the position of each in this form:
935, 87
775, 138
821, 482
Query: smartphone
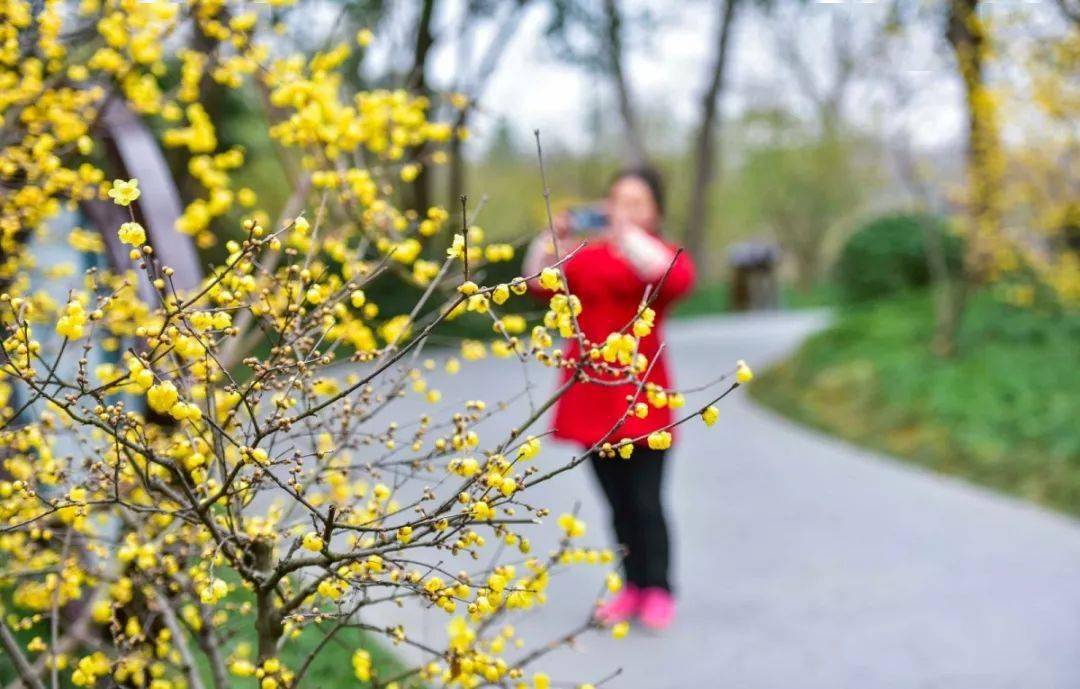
587, 220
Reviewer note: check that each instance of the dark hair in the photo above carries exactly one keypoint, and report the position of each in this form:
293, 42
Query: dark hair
650, 176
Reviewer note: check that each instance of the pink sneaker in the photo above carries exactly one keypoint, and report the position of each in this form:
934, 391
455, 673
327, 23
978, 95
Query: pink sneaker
657, 609
620, 608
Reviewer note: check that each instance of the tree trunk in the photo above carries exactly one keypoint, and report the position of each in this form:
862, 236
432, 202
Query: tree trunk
950, 300
1071, 10
707, 154
949, 293
984, 169
984, 172
418, 85
635, 150
456, 174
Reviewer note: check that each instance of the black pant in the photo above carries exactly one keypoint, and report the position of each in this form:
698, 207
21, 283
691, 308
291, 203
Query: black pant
632, 487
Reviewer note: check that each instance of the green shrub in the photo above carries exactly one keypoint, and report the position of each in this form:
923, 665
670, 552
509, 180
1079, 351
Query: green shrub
887, 256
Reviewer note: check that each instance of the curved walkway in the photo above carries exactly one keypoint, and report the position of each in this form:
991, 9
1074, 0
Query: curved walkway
804, 562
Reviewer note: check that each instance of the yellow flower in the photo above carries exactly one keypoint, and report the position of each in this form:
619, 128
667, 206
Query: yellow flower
361, 662
315, 294
743, 374
625, 450
313, 542
620, 630
549, 279
242, 668
459, 100
457, 247
613, 582
162, 397
660, 440
571, 525
468, 288
123, 193
529, 449
364, 37
70, 325
132, 233
709, 415
541, 681
410, 172
214, 591
500, 294
481, 511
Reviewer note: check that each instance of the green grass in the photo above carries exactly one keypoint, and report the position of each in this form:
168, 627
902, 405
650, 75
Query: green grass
715, 298
332, 667
704, 300
1002, 413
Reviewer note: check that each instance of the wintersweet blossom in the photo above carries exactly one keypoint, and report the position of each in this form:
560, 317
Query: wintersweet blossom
124, 192
743, 374
710, 414
132, 233
659, 440
206, 444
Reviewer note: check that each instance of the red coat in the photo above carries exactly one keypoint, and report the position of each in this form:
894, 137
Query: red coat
610, 293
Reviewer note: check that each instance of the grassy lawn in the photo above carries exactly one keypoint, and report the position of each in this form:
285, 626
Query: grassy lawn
332, 667
1002, 413
714, 298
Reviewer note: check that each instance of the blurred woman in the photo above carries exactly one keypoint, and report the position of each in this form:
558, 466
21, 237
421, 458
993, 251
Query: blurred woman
625, 253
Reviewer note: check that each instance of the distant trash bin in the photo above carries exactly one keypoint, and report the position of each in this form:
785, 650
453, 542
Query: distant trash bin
754, 285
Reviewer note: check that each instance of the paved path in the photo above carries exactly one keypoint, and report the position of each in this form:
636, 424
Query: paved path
803, 562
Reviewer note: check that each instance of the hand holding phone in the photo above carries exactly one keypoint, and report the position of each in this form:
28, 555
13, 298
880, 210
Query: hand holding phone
587, 220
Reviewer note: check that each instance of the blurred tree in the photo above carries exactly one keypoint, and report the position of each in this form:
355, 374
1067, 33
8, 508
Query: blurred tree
800, 186
473, 75
966, 34
823, 62
615, 56
905, 92
594, 35
1018, 200
1071, 10
706, 144
417, 83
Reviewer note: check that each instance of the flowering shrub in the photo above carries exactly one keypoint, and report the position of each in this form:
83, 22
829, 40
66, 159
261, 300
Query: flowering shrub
1019, 197
220, 457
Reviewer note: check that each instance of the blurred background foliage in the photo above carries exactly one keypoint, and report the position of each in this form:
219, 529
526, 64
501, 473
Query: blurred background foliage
954, 269
888, 256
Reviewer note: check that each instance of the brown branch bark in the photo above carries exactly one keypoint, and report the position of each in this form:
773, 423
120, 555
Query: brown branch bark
635, 150
22, 666
418, 84
707, 153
